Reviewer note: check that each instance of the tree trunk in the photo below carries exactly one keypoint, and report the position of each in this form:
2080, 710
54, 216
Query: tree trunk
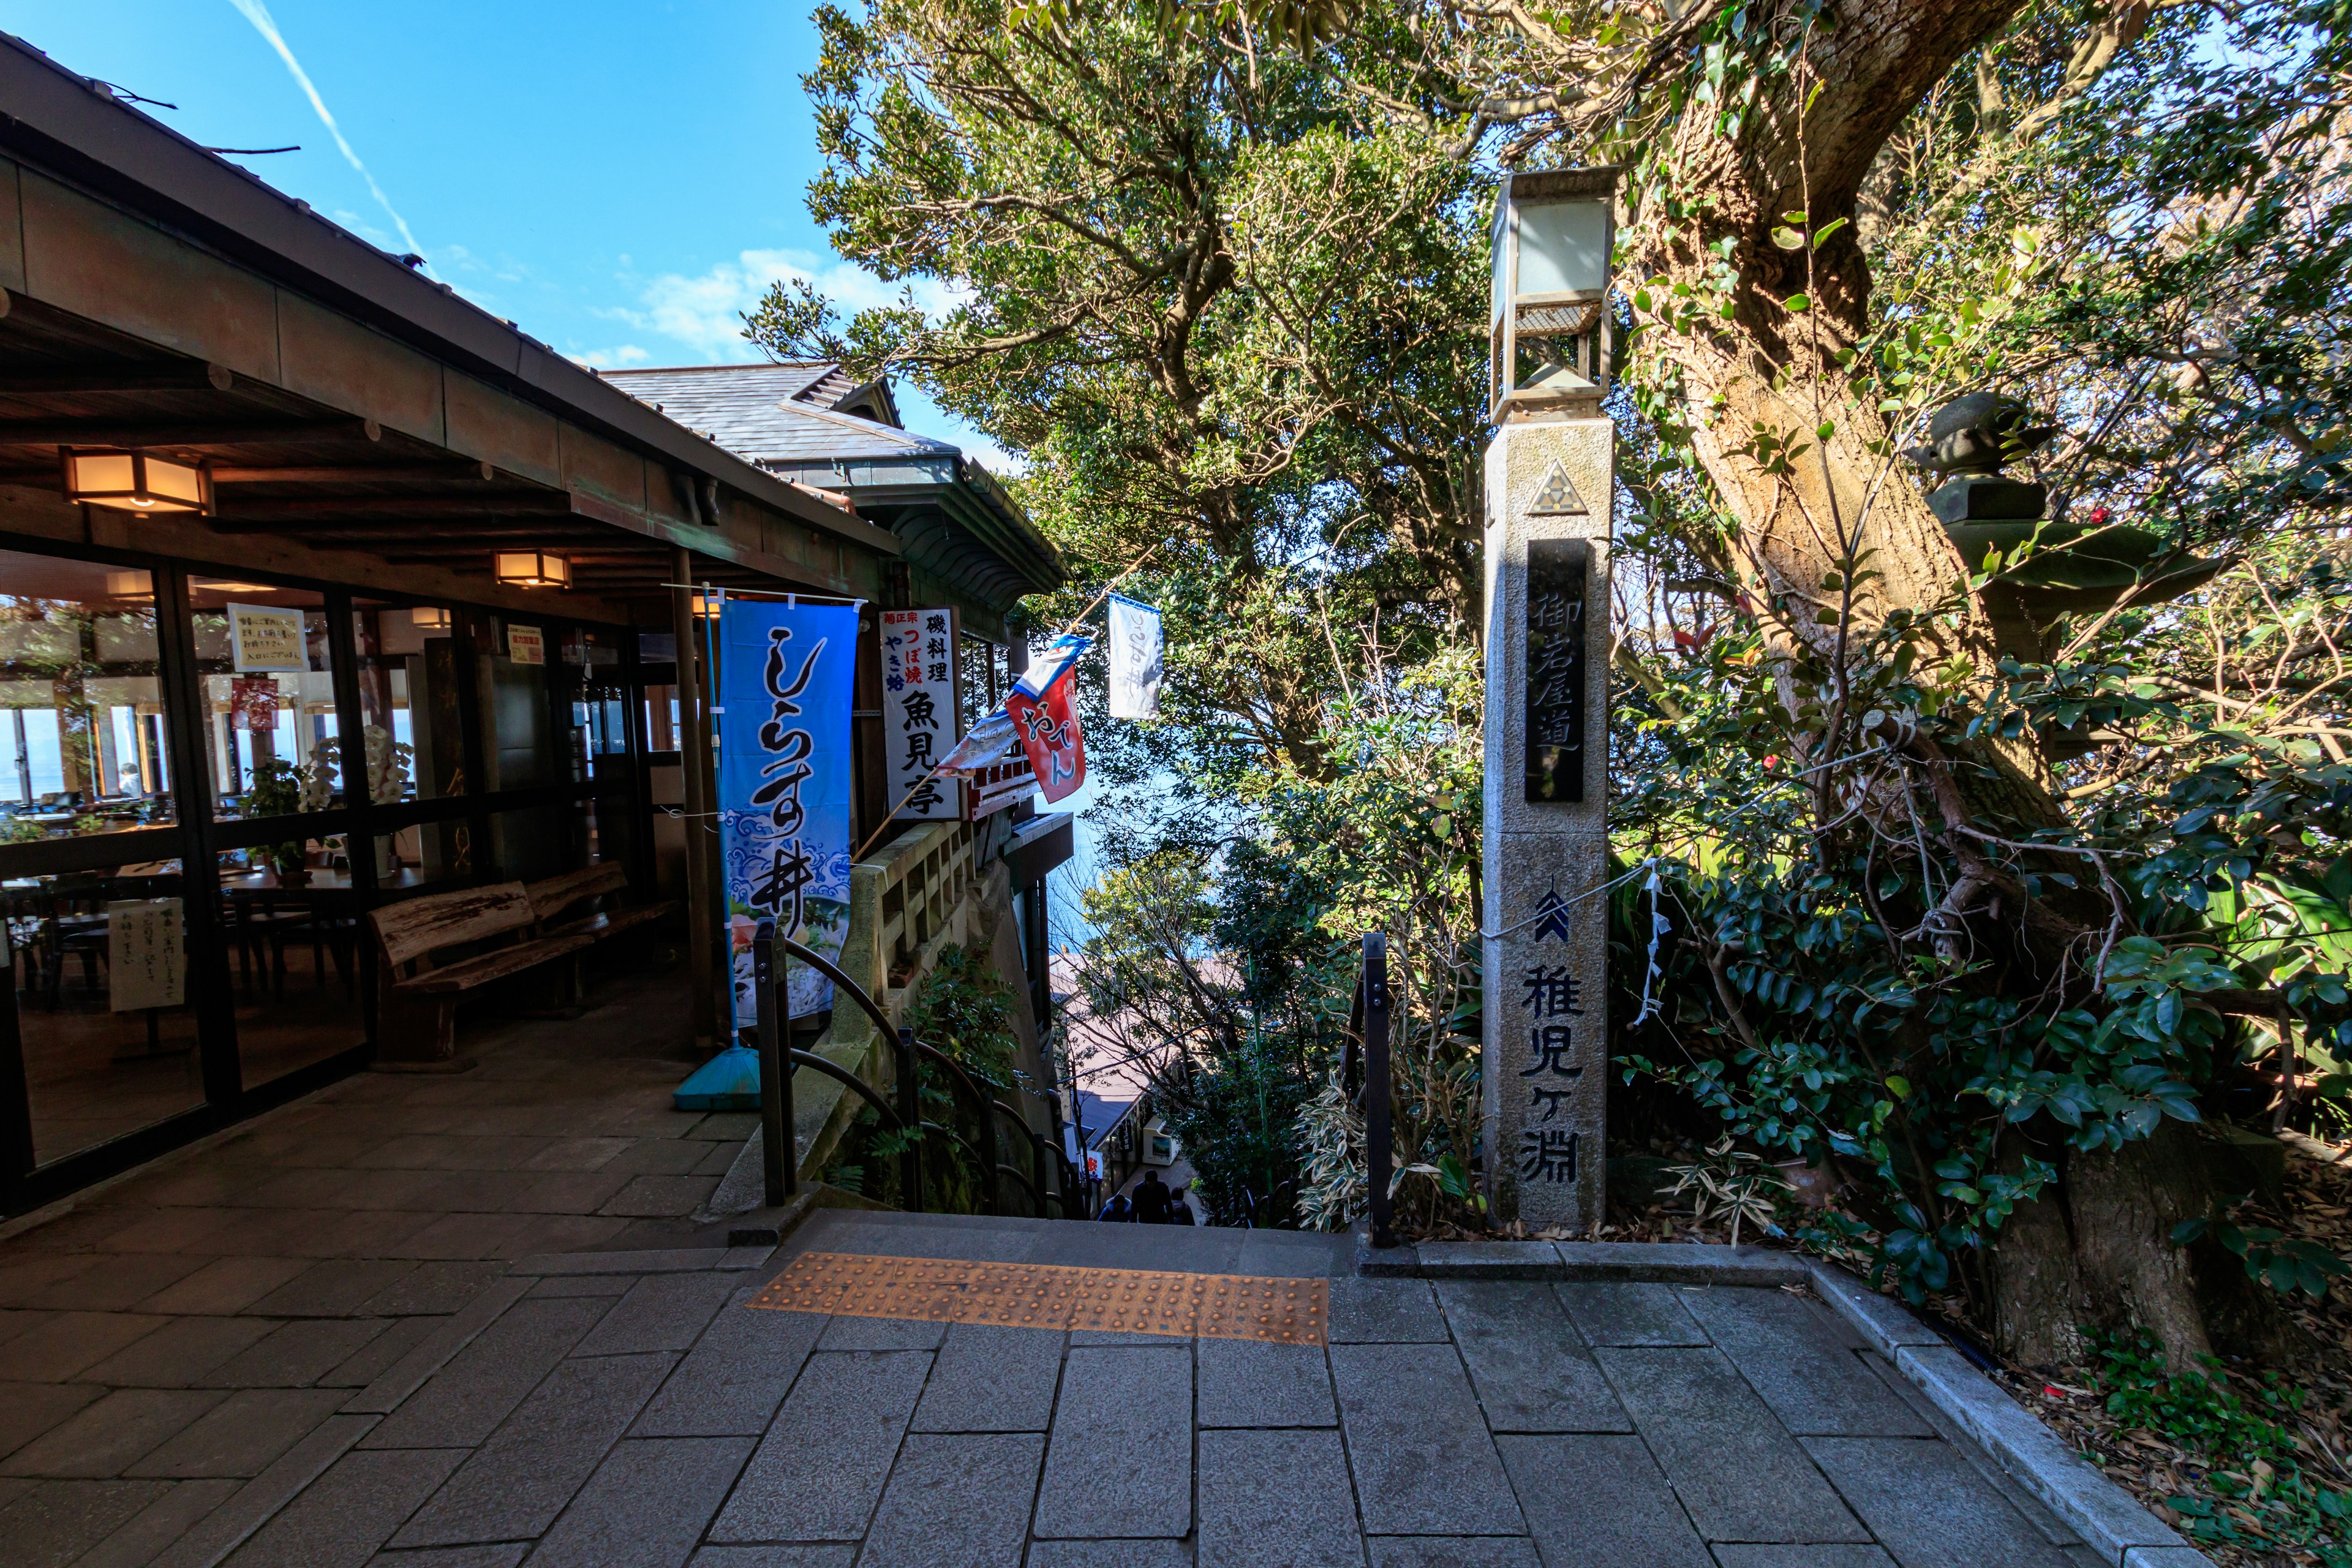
2097, 1250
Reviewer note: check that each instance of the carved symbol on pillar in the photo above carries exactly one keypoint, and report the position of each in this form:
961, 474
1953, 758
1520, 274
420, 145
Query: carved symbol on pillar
1558, 497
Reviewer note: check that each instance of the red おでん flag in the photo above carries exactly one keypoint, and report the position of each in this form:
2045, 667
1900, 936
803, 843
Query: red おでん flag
1039, 707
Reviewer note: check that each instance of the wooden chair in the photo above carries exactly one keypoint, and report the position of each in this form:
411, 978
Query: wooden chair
424, 980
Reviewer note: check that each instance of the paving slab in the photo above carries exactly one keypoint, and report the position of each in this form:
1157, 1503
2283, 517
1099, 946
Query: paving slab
661, 1197
1739, 1474
1120, 1463
820, 1470
992, 1379
1600, 1501
52, 1522
1423, 1461
516, 1483
846, 1333
466, 1400
1730, 1556
252, 1505
335, 1289
500, 1554
661, 1312
1110, 1554
296, 1353
340, 1519
1385, 1311
774, 1557
646, 1505
29, 1409
432, 1290
111, 1435
737, 1373
116, 1283
180, 1354
1803, 1361
1254, 1382
65, 1346
226, 1285
388, 1386
1453, 1551
1630, 1313
382, 1353
1928, 1506
242, 1435
958, 1501
147, 1534
1276, 1500
1531, 1372
831, 1232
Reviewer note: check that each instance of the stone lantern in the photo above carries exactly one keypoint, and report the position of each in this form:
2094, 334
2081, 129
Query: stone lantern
1552, 234
1550, 488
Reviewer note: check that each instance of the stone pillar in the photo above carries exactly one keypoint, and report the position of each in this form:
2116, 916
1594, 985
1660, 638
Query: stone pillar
1548, 488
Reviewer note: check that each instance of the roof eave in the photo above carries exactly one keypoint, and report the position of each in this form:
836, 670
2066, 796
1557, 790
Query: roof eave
63, 120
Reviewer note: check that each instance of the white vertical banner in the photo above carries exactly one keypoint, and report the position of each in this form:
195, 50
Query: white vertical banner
920, 724
1137, 659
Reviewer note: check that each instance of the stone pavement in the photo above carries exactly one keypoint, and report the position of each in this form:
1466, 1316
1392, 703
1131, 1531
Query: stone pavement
627, 1408
467, 1322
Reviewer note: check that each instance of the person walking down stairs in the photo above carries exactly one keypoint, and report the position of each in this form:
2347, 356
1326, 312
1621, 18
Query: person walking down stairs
1151, 1200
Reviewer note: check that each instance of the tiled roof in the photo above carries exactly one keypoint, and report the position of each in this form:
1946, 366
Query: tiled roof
774, 412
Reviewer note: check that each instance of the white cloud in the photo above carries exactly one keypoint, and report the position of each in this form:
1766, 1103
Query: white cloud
704, 314
612, 358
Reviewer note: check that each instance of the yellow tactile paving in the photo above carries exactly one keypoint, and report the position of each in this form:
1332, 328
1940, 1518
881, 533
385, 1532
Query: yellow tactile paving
1051, 1296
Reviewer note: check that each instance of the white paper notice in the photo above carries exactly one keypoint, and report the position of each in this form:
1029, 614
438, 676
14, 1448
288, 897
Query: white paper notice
918, 709
146, 961
263, 638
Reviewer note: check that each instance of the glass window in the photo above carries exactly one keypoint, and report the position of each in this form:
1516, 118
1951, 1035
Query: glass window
540, 841
663, 724
99, 964
519, 747
270, 742
408, 698
599, 712
291, 932
82, 716
424, 853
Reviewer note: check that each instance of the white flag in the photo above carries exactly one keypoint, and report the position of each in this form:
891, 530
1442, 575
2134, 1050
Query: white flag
1136, 656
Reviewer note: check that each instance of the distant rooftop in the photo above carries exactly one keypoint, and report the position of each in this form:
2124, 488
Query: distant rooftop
783, 416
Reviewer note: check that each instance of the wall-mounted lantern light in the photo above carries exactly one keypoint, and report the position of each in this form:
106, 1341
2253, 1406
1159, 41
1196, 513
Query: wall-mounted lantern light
1552, 234
533, 569
135, 481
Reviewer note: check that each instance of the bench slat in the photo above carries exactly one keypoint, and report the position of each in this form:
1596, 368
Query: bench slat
414, 927
616, 921
556, 894
470, 974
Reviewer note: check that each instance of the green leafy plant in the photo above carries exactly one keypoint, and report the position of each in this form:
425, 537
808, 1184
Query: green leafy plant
2286, 1265
2256, 1495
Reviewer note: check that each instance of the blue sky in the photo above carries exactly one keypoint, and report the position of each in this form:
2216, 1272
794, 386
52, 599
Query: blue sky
619, 179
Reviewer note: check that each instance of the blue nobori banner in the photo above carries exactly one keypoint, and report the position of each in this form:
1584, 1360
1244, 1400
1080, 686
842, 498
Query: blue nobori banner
786, 674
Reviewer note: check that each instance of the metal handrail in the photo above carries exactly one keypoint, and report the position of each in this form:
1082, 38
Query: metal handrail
909, 1111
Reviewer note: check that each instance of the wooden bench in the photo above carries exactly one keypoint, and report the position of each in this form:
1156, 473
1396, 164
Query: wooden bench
422, 987
558, 895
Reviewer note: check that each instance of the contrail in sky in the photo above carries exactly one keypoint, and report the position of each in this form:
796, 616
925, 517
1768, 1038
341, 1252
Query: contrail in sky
259, 15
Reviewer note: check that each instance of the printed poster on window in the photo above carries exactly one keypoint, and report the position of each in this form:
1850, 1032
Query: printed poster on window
253, 702
145, 959
785, 674
263, 638
918, 711
526, 645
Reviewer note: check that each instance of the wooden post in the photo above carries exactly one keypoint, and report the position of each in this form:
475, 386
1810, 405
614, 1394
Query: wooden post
703, 965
